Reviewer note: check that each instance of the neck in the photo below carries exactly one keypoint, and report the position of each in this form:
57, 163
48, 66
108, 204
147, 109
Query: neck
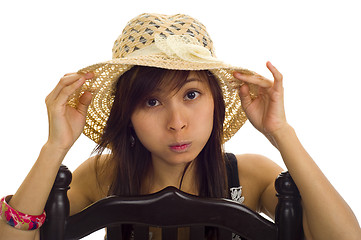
162, 175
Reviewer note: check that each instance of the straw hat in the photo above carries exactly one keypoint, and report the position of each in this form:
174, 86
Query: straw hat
176, 42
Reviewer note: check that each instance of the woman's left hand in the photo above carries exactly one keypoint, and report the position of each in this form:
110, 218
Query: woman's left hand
265, 112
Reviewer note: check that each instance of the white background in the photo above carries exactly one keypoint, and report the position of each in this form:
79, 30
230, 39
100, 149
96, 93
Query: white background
315, 44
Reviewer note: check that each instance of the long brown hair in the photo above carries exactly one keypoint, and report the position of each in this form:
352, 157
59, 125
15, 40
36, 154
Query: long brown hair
131, 159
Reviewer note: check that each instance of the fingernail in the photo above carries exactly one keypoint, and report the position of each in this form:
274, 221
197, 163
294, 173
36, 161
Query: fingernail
237, 74
89, 75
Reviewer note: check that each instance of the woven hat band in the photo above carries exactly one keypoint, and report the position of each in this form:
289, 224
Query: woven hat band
179, 46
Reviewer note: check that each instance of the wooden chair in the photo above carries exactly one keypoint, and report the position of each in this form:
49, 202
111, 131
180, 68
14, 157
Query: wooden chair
170, 209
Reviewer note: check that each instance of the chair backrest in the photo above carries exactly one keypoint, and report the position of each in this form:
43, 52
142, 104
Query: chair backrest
170, 209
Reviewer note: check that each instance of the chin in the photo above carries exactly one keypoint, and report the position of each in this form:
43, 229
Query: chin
178, 158
182, 158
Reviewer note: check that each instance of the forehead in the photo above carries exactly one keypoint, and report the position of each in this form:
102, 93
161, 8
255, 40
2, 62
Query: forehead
197, 75
197, 78
175, 81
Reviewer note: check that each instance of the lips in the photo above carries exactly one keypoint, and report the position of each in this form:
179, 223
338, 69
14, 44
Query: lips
180, 147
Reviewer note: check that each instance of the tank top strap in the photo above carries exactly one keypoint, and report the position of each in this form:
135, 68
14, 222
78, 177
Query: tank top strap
232, 170
235, 189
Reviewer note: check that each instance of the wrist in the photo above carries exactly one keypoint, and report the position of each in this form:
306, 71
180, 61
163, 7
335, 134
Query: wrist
54, 146
282, 134
18, 219
53, 152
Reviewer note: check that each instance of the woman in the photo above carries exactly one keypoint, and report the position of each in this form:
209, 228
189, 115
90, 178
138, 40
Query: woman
163, 107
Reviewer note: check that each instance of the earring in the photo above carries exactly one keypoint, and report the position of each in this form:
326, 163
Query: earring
132, 140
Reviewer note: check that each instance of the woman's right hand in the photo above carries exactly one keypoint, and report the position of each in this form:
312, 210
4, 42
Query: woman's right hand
65, 122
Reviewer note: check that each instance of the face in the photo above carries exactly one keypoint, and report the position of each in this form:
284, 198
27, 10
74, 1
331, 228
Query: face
175, 125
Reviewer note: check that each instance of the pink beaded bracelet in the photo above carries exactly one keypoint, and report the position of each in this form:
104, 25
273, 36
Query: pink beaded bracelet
17, 219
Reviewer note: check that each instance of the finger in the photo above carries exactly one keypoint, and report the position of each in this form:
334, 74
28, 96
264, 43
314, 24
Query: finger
65, 81
278, 77
67, 91
69, 78
254, 79
84, 102
245, 96
67, 74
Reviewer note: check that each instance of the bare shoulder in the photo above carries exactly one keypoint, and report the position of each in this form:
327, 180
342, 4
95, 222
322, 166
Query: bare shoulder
90, 183
256, 174
256, 165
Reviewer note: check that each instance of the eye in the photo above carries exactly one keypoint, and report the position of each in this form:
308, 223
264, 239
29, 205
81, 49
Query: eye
152, 102
192, 95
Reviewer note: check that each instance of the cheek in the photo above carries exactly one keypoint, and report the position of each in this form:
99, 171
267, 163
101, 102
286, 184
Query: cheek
204, 118
145, 127
210, 116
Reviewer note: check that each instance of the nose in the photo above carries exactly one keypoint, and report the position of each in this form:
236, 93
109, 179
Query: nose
177, 119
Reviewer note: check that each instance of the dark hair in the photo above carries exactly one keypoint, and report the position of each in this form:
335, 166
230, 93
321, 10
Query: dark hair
132, 162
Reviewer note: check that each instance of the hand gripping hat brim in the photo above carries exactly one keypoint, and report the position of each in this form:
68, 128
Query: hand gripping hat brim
177, 42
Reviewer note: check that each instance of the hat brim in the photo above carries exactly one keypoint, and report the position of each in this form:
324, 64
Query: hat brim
107, 73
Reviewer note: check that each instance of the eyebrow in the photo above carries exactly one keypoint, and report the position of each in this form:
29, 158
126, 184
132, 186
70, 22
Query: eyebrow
189, 80
192, 80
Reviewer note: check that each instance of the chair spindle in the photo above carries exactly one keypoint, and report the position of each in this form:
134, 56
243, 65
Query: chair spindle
289, 209
57, 207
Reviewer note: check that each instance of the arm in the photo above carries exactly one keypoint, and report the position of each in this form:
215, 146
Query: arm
65, 126
327, 215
